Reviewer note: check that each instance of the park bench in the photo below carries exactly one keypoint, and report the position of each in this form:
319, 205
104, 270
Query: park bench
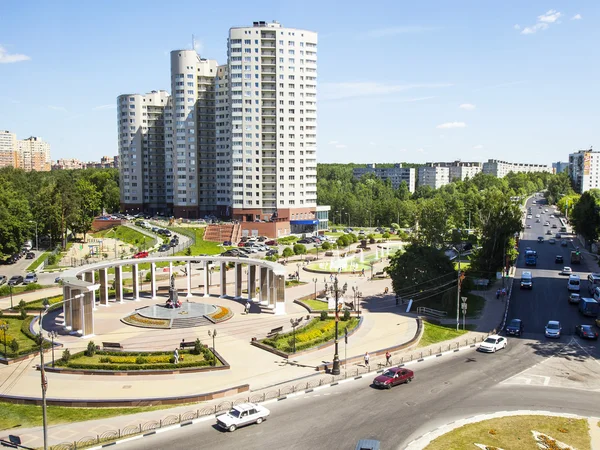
112, 345
484, 282
349, 305
187, 345
274, 332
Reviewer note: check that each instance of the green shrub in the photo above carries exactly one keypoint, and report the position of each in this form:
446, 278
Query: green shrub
14, 346
91, 349
105, 359
287, 252
299, 249
346, 316
323, 315
52, 260
141, 360
22, 304
197, 347
23, 314
148, 277
326, 246
66, 356
33, 287
1, 314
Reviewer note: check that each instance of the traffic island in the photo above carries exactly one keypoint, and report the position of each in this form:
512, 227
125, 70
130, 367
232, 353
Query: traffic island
517, 432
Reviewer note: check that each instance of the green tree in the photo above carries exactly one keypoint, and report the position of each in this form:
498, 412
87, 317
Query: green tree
567, 203
299, 249
88, 206
14, 220
287, 252
586, 215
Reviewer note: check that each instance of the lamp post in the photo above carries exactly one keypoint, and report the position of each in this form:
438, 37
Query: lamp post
52, 335
298, 271
335, 290
459, 278
356, 298
294, 323
11, 298
341, 212
44, 380
213, 335
4, 328
315, 281
372, 263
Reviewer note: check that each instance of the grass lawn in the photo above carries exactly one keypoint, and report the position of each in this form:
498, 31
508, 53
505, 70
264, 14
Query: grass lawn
39, 260
315, 333
432, 334
5, 290
292, 283
515, 433
200, 247
14, 332
127, 235
39, 304
27, 416
316, 305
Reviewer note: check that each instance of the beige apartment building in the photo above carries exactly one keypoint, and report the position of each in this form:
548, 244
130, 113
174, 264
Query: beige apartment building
27, 154
8, 149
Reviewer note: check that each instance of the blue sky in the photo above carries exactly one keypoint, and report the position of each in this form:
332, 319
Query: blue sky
398, 81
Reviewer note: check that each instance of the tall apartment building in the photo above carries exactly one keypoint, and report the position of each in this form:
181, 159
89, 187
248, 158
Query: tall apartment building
584, 170
237, 140
396, 175
8, 149
459, 170
434, 176
502, 168
559, 167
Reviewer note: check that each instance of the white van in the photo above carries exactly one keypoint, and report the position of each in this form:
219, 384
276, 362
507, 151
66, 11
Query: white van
574, 283
596, 294
526, 280
593, 282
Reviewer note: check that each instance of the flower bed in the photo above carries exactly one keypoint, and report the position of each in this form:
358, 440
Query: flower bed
221, 314
145, 322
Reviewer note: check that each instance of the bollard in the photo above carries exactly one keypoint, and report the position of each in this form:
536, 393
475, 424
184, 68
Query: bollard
97, 439
421, 354
457, 344
140, 427
180, 414
430, 352
160, 423
198, 411
440, 350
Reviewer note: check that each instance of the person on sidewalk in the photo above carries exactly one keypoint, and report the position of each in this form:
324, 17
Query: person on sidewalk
247, 308
367, 357
388, 359
176, 356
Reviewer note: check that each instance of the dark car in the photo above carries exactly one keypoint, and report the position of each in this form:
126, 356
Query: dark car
30, 255
558, 259
304, 241
272, 252
15, 279
392, 377
227, 243
164, 248
586, 332
515, 327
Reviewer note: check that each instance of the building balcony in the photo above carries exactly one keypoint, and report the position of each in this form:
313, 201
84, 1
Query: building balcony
269, 104
268, 129
268, 53
269, 122
269, 146
268, 112
268, 138
268, 70
268, 36
267, 44
268, 96
268, 78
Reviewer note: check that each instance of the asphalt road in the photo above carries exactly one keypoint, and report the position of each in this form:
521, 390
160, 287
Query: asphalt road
444, 389
548, 298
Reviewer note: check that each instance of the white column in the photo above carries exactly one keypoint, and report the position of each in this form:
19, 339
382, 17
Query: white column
223, 276
189, 279
206, 280
170, 269
119, 284
135, 282
153, 281
249, 285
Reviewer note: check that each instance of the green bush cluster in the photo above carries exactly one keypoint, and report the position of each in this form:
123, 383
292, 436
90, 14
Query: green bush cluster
66, 356
323, 315
129, 367
91, 349
287, 240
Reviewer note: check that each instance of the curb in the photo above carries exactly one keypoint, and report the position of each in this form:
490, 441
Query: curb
422, 441
276, 400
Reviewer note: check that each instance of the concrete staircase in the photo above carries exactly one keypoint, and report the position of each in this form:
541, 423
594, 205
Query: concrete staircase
223, 232
190, 322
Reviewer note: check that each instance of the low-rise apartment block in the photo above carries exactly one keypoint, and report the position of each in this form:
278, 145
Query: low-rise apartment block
459, 170
434, 176
396, 175
502, 168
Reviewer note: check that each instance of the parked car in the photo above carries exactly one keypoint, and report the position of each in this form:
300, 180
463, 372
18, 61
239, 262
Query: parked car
558, 259
164, 248
551, 241
58, 279
493, 343
29, 255
140, 255
30, 278
368, 444
15, 279
553, 329
271, 242
304, 241
586, 332
242, 415
515, 327
272, 252
2, 279
392, 377
227, 243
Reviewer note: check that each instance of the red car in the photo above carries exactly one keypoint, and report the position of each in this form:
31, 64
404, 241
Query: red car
241, 244
392, 377
271, 242
141, 255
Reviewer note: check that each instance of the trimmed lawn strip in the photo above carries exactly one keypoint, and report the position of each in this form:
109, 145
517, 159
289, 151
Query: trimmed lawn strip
39, 260
28, 416
315, 333
15, 325
475, 304
127, 235
5, 290
316, 305
200, 246
514, 432
432, 334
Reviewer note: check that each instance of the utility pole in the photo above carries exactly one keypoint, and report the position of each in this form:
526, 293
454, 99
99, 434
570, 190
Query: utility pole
459, 282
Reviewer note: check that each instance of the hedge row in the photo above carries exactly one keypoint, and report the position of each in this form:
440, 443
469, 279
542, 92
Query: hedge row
123, 367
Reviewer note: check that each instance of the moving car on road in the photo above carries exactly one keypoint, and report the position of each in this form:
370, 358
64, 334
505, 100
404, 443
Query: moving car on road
392, 377
586, 332
526, 280
574, 298
242, 415
552, 241
515, 327
553, 329
559, 259
30, 278
15, 279
140, 255
589, 307
492, 344
566, 271
574, 283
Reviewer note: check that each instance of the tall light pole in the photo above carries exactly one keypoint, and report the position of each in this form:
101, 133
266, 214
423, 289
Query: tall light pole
213, 335
52, 335
44, 381
294, 323
349, 222
4, 328
315, 281
335, 290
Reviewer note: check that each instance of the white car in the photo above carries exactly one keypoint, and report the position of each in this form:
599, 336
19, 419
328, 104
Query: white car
528, 226
493, 343
567, 270
30, 278
552, 216
529, 216
537, 216
241, 415
546, 224
553, 329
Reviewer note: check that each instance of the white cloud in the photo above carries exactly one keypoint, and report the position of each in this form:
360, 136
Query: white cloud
478, 147
421, 150
101, 107
467, 106
58, 108
543, 22
338, 91
7, 58
517, 27
576, 17
394, 31
449, 125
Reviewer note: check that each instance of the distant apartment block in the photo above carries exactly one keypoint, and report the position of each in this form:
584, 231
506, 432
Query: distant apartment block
106, 162
502, 168
559, 167
396, 175
434, 176
459, 170
27, 154
584, 168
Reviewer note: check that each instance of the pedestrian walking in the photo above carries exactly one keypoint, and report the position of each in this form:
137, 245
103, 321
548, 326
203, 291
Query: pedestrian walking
367, 357
176, 356
363, 272
388, 359
247, 308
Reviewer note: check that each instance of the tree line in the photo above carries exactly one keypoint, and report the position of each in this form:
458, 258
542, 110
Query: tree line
57, 202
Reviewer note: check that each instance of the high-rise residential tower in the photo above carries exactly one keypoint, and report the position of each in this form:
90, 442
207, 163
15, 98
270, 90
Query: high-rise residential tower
8, 149
584, 170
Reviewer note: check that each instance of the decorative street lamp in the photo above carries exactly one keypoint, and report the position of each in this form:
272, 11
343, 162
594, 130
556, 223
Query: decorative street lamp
52, 335
372, 263
213, 335
298, 271
315, 281
336, 291
356, 299
294, 323
4, 328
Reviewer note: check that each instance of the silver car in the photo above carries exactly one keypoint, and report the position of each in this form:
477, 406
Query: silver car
553, 329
